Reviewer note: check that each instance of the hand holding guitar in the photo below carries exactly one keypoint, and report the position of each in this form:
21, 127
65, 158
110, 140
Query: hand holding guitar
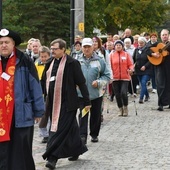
159, 52
156, 55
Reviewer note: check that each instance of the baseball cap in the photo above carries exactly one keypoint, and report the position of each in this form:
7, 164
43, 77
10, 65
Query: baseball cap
87, 41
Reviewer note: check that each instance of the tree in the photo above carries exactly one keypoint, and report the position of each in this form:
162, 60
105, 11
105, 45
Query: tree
136, 14
90, 17
50, 19
44, 19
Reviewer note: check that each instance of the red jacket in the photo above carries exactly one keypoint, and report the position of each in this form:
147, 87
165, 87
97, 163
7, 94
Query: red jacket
121, 62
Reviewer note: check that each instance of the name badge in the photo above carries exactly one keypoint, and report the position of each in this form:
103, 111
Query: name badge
5, 76
139, 51
52, 78
123, 58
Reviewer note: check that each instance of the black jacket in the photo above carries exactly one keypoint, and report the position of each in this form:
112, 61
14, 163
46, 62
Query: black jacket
72, 78
140, 59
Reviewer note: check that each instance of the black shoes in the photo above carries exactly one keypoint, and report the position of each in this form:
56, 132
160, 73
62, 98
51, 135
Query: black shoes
140, 101
94, 139
45, 139
147, 98
51, 164
102, 118
84, 140
160, 108
73, 158
111, 98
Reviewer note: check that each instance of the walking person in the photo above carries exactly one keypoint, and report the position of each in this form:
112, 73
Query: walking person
21, 104
36, 44
162, 75
143, 68
103, 54
129, 48
77, 50
28, 50
153, 43
109, 49
97, 75
44, 53
135, 43
128, 34
61, 76
122, 68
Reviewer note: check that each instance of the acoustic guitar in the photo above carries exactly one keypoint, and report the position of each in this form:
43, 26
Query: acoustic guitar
161, 49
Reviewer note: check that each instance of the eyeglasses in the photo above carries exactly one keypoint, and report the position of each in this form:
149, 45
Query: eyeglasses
54, 49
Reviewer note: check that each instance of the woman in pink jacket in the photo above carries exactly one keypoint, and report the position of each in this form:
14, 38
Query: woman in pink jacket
122, 68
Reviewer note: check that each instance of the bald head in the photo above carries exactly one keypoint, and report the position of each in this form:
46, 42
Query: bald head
164, 35
128, 32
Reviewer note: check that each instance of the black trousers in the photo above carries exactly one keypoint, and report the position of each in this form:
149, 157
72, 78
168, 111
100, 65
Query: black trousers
95, 118
16, 154
162, 78
120, 90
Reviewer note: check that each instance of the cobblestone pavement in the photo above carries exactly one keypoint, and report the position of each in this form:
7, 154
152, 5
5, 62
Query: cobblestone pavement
139, 142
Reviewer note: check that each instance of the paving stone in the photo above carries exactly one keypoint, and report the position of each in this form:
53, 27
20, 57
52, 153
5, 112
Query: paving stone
139, 142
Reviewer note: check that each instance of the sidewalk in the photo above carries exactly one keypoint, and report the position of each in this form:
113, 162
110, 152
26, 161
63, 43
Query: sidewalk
139, 142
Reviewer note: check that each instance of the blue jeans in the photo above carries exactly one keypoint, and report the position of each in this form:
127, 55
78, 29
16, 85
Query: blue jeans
143, 79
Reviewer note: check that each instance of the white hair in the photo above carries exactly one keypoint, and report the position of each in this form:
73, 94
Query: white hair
127, 40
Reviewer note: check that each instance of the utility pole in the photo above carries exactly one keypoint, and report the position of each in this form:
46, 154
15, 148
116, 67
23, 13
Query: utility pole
76, 19
71, 22
0, 14
79, 18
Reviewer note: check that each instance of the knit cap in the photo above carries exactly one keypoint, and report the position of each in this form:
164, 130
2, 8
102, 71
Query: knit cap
119, 42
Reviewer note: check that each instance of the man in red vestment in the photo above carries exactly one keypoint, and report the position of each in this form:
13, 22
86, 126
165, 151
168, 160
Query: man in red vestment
21, 104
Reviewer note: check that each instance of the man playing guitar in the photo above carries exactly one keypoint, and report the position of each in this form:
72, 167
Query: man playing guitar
162, 75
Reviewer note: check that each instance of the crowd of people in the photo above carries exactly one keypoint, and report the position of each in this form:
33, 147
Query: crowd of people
45, 85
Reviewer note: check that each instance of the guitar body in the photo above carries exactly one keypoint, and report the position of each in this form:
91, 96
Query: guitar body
158, 49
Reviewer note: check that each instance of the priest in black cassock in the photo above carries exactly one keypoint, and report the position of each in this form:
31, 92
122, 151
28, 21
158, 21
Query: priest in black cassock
61, 76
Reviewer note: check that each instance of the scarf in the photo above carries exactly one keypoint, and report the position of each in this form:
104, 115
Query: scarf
6, 98
57, 91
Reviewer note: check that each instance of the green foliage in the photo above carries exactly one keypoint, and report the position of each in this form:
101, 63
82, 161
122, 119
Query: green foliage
46, 19
90, 15
50, 19
135, 14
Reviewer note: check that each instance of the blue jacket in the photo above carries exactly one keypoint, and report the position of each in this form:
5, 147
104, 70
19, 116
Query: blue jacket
29, 102
93, 69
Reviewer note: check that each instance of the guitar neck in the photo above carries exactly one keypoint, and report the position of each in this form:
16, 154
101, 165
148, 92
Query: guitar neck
166, 46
